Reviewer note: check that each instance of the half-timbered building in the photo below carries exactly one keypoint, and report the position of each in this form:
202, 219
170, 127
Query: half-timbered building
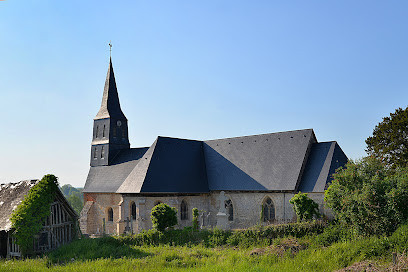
59, 228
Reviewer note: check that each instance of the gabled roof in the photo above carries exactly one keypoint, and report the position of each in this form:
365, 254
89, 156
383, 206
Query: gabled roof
323, 160
283, 161
110, 106
268, 162
107, 179
11, 195
169, 166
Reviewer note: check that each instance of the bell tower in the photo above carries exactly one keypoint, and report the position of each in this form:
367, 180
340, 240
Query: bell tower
110, 129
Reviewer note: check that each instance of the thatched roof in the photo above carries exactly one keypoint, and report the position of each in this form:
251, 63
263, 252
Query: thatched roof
11, 196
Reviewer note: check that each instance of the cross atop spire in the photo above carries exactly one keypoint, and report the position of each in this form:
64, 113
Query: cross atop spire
110, 49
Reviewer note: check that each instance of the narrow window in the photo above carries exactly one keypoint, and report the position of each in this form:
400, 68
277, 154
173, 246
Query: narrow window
268, 210
103, 132
110, 214
96, 131
123, 133
133, 210
95, 153
102, 152
114, 132
183, 210
230, 209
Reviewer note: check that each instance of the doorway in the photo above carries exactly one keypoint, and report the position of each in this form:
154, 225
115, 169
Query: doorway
3, 244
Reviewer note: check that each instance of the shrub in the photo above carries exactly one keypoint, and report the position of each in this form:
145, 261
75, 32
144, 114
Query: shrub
304, 207
369, 197
195, 219
163, 216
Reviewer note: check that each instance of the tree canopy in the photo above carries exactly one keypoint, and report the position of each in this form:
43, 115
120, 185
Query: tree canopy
389, 141
369, 197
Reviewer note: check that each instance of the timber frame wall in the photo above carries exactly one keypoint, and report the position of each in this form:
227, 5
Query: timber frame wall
59, 228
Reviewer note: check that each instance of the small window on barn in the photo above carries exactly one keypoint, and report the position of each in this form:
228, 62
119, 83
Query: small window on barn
230, 209
133, 210
102, 152
268, 210
183, 210
110, 214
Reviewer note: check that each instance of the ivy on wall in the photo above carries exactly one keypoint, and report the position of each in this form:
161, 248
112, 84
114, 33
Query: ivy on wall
30, 215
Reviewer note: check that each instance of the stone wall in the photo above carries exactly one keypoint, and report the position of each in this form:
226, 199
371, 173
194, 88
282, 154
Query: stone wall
247, 208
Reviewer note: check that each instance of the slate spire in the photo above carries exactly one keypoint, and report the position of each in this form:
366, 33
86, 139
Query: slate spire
110, 132
110, 106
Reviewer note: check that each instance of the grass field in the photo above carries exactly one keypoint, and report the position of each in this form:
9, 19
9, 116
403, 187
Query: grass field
328, 251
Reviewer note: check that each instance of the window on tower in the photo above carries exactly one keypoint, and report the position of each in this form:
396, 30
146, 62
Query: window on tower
95, 153
114, 132
96, 131
102, 152
123, 133
103, 132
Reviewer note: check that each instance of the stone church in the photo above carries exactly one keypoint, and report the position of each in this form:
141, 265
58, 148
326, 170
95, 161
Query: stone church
234, 182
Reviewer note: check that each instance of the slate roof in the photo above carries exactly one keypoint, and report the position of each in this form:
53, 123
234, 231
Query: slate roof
107, 179
271, 162
323, 160
11, 196
170, 166
284, 161
110, 106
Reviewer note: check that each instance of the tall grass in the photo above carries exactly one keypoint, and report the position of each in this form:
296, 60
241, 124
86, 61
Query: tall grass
331, 250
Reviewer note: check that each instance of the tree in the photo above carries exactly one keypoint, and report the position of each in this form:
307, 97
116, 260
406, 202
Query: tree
369, 197
304, 207
389, 142
29, 216
163, 216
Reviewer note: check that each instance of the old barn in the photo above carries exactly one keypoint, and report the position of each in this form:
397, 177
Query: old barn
59, 228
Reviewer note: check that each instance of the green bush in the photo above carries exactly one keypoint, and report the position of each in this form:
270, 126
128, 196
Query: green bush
304, 207
163, 216
369, 197
195, 219
332, 234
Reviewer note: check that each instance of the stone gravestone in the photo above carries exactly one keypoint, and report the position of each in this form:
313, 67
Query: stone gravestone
222, 218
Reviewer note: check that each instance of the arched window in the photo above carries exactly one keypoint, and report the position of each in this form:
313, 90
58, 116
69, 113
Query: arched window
102, 152
110, 214
133, 210
230, 209
183, 210
268, 210
103, 132
95, 153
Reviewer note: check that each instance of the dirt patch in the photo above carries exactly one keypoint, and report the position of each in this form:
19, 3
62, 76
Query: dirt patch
290, 245
365, 266
400, 264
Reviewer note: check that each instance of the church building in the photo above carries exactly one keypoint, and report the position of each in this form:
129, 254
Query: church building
234, 182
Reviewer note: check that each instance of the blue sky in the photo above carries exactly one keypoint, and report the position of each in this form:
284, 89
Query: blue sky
196, 70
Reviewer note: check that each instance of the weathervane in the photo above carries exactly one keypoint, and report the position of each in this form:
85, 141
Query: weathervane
110, 49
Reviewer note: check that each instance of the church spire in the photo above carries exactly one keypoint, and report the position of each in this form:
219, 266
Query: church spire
110, 133
110, 106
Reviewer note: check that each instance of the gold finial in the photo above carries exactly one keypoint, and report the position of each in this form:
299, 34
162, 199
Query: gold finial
110, 48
